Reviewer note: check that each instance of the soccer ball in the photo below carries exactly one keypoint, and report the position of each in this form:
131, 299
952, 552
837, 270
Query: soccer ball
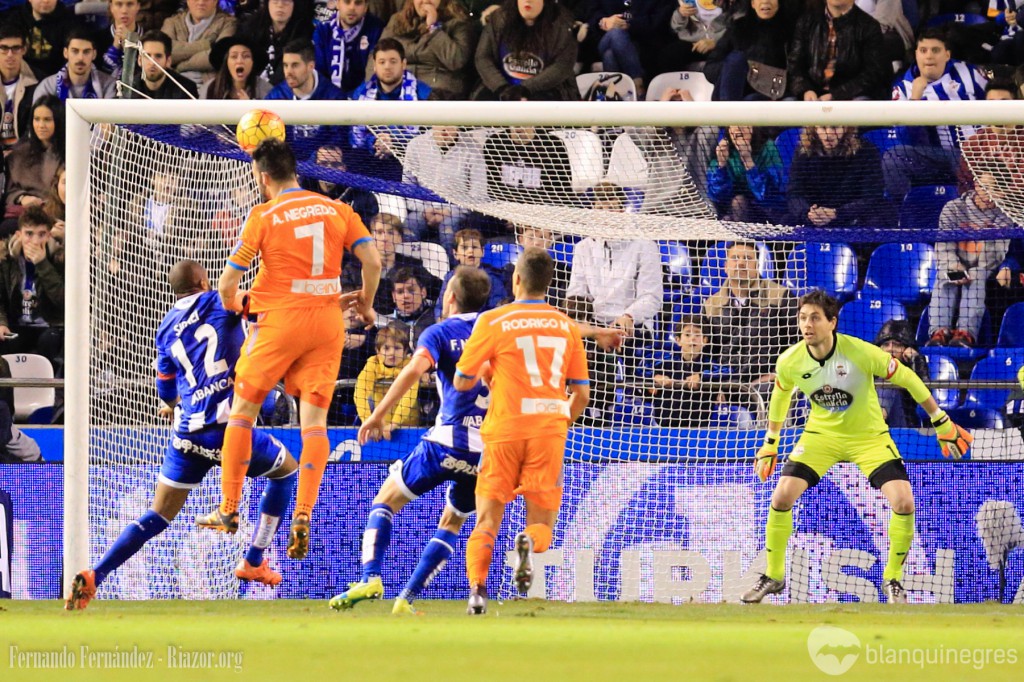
256, 126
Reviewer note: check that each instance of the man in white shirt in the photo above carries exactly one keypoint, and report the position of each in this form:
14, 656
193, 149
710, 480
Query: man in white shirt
615, 283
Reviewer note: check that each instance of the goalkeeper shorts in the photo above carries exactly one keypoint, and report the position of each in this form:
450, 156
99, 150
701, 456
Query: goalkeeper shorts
815, 453
300, 345
189, 456
431, 464
531, 467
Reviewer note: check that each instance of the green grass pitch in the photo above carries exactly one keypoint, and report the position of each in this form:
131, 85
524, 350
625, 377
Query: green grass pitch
522, 640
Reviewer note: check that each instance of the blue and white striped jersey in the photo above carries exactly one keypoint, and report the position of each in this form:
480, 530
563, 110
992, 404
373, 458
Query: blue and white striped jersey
462, 412
197, 346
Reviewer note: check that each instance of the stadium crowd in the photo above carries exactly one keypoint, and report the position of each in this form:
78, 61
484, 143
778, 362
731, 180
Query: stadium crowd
756, 50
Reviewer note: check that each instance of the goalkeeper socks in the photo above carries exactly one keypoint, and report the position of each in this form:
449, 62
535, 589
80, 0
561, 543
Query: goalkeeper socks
776, 537
273, 504
435, 556
236, 453
376, 539
901, 533
540, 533
131, 540
479, 552
316, 449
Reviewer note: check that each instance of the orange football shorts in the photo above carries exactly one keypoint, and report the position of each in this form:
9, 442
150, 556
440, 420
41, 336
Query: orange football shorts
531, 468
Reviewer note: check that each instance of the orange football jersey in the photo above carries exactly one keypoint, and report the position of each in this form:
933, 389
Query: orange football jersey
534, 351
301, 237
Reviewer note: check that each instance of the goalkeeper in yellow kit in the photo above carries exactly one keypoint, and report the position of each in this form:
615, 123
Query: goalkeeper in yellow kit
837, 373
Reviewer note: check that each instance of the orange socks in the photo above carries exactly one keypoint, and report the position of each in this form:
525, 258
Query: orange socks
541, 536
316, 449
479, 552
235, 456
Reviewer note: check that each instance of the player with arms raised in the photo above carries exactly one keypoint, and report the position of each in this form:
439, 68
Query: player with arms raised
300, 237
531, 354
197, 346
449, 452
837, 373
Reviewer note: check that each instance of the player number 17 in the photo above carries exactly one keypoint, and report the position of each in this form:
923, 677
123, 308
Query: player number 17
529, 347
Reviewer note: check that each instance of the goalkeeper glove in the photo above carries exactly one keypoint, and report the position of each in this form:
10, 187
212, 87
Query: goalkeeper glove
767, 456
955, 441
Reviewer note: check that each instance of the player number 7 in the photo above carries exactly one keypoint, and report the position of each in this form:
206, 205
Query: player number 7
316, 231
529, 348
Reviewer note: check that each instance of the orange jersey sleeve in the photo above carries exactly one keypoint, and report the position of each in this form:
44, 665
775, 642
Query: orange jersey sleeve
300, 237
534, 351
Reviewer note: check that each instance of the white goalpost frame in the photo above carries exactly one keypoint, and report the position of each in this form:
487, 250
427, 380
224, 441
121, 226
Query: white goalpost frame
81, 114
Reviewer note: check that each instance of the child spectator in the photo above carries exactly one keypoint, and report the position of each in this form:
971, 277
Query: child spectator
745, 176
124, 19
680, 398
377, 376
469, 251
529, 43
344, 43
439, 40
898, 407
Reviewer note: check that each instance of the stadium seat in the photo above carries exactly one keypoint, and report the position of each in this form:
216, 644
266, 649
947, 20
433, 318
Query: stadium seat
694, 82
864, 316
922, 205
1011, 331
1001, 365
499, 255
561, 251
942, 368
904, 272
433, 256
627, 168
584, 149
606, 86
712, 267
978, 418
675, 258
629, 411
886, 138
964, 18
28, 400
830, 267
732, 417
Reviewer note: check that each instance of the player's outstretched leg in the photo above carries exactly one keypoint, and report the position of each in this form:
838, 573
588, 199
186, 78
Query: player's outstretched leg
376, 538
316, 450
273, 504
131, 540
435, 556
777, 532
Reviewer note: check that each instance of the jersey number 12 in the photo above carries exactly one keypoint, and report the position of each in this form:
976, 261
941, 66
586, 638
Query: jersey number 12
211, 365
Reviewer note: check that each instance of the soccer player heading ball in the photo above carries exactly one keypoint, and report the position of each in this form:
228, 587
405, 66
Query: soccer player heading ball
300, 237
837, 373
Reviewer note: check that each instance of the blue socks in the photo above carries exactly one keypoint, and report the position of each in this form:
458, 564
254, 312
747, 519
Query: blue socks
432, 562
376, 539
130, 541
273, 504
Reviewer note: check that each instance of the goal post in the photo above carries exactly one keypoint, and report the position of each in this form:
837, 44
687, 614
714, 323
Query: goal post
84, 115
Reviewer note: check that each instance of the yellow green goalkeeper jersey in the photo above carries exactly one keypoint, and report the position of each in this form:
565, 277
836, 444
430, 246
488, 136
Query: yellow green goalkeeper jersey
841, 387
